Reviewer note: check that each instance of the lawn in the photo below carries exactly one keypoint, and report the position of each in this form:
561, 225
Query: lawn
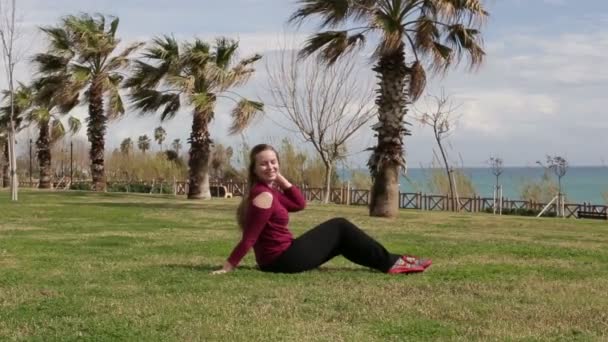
85, 266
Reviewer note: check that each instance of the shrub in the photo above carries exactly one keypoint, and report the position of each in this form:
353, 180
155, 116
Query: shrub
81, 186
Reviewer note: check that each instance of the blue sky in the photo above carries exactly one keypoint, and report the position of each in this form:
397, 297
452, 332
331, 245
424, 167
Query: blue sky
541, 90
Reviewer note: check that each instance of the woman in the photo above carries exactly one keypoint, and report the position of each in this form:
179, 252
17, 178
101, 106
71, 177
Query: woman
263, 218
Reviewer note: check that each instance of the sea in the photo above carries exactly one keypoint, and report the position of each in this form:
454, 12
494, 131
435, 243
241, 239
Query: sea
580, 183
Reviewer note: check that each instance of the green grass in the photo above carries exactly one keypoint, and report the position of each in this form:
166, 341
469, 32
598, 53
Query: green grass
84, 266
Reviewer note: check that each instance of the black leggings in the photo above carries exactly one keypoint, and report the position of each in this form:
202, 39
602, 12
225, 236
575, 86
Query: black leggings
337, 236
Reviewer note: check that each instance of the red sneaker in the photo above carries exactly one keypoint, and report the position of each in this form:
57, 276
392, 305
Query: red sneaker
401, 266
414, 260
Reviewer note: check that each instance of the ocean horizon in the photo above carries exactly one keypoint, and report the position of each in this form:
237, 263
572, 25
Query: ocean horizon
580, 184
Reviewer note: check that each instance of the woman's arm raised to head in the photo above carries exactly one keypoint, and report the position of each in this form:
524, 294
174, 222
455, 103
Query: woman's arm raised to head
293, 199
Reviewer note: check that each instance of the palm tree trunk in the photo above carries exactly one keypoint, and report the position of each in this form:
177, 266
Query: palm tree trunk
43, 145
96, 132
387, 157
5, 176
200, 152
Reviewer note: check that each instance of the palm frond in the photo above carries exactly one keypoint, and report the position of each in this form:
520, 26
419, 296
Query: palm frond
59, 40
471, 12
57, 130
115, 105
74, 124
239, 74
150, 100
145, 75
80, 73
224, 51
389, 21
331, 45
465, 42
195, 56
69, 103
47, 63
331, 12
22, 100
39, 115
122, 59
163, 48
186, 84
202, 102
114, 27
172, 105
243, 114
426, 34
417, 78
90, 41
68, 96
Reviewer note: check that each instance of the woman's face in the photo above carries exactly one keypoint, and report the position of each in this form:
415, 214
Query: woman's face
266, 166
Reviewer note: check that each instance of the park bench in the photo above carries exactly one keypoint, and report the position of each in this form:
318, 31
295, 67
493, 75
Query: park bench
592, 215
220, 191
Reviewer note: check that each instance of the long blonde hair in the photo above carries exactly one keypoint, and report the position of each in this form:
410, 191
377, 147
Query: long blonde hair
241, 211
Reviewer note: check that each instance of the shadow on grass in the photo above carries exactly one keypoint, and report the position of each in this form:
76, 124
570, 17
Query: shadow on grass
205, 267
323, 269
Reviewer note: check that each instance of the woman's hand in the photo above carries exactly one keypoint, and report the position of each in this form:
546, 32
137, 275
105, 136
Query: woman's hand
225, 269
282, 182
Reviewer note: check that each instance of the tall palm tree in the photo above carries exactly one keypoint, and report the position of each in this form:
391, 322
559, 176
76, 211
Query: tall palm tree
143, 143
88, 45
126, 146
195, 74
410, 36
176, 145
46, 115
160, 135
20, 105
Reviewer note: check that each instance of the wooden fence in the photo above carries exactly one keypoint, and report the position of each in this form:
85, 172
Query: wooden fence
418, 201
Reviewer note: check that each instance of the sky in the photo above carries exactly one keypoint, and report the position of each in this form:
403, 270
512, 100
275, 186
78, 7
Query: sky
541, 90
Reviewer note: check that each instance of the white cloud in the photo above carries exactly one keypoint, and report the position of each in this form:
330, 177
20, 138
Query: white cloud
569, 58
539, 89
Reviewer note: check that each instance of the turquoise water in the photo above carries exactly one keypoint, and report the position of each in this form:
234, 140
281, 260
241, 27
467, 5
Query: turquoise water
581, 184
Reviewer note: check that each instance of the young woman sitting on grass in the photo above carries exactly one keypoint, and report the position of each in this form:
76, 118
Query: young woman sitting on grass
263, 217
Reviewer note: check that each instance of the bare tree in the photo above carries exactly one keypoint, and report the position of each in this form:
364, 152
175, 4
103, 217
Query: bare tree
496, 164
8, 36
605, 193
559, 166
442, 119
4, 159
326, 104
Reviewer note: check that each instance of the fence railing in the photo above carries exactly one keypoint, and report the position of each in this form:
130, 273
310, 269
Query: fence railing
348, 196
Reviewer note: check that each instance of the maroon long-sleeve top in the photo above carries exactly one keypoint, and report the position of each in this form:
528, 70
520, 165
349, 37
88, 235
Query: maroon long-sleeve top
266, 229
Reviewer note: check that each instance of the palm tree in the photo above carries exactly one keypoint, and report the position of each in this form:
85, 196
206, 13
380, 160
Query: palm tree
46, 106
194, 74
410, 36
143, 143
176, 145
20, 104
160, 135
87, 44
126, 146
